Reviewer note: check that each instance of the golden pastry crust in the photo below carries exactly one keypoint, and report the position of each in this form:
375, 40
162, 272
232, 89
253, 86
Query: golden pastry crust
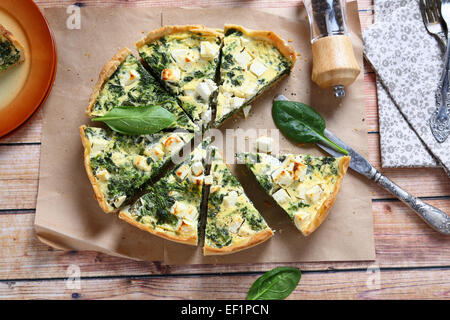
108, 69
8, 35
322, 213
190, 240
251, 242
87, 164
286, 50
168, 30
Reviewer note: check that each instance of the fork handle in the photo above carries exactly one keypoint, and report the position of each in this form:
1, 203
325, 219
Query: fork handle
434, 217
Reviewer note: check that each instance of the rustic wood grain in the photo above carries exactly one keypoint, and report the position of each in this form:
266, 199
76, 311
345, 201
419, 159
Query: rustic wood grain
401, 240
414, 260
401, 284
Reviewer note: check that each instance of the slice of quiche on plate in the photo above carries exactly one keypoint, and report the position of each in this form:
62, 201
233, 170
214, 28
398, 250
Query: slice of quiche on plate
171, 208
252, 61
232, 223
11, 50
119, 165
124, 81
305, 186
186, 59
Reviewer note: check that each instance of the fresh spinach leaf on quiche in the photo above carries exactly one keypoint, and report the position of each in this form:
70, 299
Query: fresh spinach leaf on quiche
171, 208
125, 82
185, 59
119, 165
305, 186
252, 61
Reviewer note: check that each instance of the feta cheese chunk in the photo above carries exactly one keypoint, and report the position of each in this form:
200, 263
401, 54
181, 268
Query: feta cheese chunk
208, 50
173, 143
182, 172
119, 201
282, 177
314, 193
264, 144
129, 77
141, 163
184, 57
208, 180
246, 111
197, 168
230, 199
236, 223
173, 74
155, 152
258, 68
102, 175
184, 211
281, 196
204, 90
243, 58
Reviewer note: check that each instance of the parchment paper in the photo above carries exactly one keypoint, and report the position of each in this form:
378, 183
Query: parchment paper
67, 215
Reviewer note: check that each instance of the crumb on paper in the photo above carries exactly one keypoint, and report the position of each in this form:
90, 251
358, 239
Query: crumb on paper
290, 40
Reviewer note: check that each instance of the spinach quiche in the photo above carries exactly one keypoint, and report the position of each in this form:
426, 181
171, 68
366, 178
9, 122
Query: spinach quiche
185, 58
11, 51
305, 186
171, 208
124, 81
119, 165
252, 61
232, 222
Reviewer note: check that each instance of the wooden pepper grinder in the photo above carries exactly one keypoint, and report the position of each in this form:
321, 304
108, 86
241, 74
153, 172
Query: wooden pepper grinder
334, 63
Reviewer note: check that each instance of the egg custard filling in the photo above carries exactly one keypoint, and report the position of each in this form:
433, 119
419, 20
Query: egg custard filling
11, 51
185, 58
252, 61
125, 82
171, 208
119, 165
232, 223
305, 186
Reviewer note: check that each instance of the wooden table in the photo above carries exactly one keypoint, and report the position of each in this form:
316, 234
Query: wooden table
412, 261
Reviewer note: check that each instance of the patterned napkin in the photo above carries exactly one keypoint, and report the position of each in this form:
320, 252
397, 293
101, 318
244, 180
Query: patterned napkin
408, 62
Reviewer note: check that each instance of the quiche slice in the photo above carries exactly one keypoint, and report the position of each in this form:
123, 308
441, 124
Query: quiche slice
252, 61
171, 208
124, 81
305, 186
11, 51
119, 165
232, 222
186, 59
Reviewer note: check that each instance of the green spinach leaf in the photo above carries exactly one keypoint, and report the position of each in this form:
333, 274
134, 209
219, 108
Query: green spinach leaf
276, 284
301, 123
137, 120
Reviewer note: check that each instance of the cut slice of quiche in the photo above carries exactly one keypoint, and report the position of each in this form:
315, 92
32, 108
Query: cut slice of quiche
171, 208
232, 222
119, 165
124, 81
11, 50
305, 186
252, 61
186, 59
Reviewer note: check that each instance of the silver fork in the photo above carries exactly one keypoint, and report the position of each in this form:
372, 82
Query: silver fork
439, 120
431, 15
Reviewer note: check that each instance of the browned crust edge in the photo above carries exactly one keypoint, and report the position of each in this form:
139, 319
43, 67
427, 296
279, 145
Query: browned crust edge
251, 242
286, 50
322, 213
189, 241
108, 69
8, 35
167, 30
87, 164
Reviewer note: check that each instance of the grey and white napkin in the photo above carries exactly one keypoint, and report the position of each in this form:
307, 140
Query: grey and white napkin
408, 63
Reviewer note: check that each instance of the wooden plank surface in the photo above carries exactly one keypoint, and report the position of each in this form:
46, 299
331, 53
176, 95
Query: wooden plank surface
414, 260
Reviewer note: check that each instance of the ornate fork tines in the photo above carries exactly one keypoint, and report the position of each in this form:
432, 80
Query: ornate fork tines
434, 14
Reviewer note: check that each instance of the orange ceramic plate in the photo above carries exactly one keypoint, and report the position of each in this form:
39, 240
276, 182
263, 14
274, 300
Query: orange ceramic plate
24, 88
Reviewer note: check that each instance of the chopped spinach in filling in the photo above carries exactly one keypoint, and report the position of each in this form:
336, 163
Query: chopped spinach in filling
9, 55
